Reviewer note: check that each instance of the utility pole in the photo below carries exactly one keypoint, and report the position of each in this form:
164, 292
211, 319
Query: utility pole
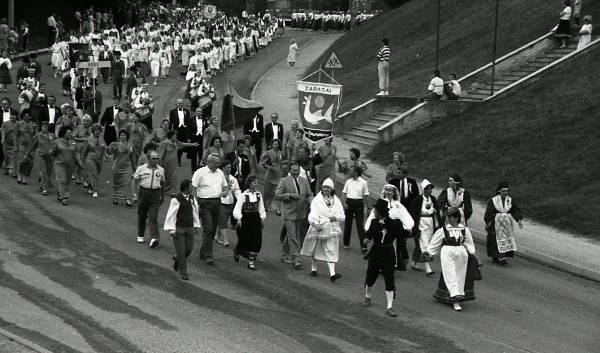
437, 41
11, 13
494, 49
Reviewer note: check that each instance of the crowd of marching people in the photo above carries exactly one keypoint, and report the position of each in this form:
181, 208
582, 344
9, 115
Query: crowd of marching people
73, 141
329, 20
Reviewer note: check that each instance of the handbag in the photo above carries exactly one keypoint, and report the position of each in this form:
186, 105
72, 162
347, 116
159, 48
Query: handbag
477, 264
25, 166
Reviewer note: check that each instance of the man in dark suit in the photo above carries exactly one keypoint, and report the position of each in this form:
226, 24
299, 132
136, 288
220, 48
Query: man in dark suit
180, 121
105, 55
240, 164
274, 130
256, 130
48, 112
92, 100
117, 67
409, 190
110, 132
295, 194
7, 112
199, 124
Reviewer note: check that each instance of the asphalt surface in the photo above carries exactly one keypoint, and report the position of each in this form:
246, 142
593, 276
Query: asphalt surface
73, 279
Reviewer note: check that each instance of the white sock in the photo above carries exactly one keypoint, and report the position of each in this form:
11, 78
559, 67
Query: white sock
427, 267
313, 266
331, 266
389, 294
367, 292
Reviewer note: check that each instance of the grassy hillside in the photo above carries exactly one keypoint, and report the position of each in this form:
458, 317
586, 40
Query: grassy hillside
466, 41
543, 140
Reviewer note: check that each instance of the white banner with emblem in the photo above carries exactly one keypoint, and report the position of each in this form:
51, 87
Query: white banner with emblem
318, 106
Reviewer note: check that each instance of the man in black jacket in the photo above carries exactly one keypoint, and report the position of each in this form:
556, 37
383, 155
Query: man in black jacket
110, 132
48, 112
240, 164
199, 124
117, 67
180, 121
7, 111
274, 130
256, 130
409, 190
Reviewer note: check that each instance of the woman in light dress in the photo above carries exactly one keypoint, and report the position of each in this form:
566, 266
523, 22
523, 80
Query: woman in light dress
155, 59
293, 53
585, 33
322, 242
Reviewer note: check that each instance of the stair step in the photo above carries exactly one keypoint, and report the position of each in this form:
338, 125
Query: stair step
536, 64
564, 51
488, 87
390, 113
383, 117
365, 130
478, 94
528, 68
372, 124
555, 55
544, 59
520, 73
360, 139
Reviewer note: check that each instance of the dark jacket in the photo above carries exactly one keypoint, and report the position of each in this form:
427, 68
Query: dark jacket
269, 134
184, 133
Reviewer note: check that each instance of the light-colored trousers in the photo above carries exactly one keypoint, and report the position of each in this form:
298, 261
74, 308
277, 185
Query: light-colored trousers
383, 69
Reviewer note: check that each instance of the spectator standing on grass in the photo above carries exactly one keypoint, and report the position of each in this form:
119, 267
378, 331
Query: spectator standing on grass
24, 35
52, 30
383, 68
577, 11
5, 66
563, 31
585, 33
4, 29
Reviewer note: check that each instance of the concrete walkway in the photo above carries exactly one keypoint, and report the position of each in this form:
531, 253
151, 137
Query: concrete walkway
536, 242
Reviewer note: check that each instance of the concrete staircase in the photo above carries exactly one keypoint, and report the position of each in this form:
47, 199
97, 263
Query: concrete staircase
366, 134
480, 91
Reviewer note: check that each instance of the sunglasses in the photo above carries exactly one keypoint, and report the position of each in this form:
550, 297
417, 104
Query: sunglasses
155, 159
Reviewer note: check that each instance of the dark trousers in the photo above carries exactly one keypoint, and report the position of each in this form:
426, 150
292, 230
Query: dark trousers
381, 260
195, 153
209, 216
148, 204
356, 209
104, 71
183, 242
117, 87
51, 36
257, 143
401, 252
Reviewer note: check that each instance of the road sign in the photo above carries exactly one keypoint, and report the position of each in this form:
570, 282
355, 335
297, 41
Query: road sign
333, 62
92, 64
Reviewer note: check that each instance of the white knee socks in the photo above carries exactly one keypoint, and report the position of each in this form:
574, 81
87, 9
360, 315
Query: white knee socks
427, 267
313, 266
368, 291
389, 294
331, 266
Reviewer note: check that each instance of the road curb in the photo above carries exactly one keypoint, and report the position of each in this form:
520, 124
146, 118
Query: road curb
23, 341
273, 69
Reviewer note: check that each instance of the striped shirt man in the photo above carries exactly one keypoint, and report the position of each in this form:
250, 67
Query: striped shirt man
384, 54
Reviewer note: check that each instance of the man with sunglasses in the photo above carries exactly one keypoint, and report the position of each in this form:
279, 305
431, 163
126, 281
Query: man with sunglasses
149, 180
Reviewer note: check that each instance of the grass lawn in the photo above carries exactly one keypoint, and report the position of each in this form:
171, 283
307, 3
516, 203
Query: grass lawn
465, 41
543, 141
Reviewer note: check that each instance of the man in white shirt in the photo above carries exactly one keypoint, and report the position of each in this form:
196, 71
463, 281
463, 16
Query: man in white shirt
149, 180
210, 185
435, 88
227, 203
355, 198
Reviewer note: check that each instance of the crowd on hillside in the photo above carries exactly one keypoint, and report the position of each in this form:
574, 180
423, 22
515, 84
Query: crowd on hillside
73, 142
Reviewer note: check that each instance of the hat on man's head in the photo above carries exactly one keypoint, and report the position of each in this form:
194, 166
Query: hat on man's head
381, 206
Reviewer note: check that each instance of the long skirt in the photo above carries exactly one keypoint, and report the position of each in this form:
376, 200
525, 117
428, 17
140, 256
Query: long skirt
249, 235
492, 245
5, 78
154, 68
564, 29
327, 249
458, 276
10, 154
122, 183
422, 239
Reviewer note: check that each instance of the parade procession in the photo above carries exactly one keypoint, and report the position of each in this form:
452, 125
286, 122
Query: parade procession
298, 176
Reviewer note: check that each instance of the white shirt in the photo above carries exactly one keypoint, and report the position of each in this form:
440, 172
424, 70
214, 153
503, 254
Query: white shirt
275, 128
234, 190
255, 128
5, 116
181, 117
355, 189
437, 86
115, 111
566, 13
209, 184
252, 197
51, 114
171, 218
149, 178
456, 89
200, 126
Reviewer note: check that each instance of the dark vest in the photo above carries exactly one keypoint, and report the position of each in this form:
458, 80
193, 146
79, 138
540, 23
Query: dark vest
185, 214
250, 207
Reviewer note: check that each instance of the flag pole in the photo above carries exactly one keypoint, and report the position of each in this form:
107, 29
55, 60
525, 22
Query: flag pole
231, 107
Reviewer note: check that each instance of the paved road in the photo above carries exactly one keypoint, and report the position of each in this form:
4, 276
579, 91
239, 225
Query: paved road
73, 280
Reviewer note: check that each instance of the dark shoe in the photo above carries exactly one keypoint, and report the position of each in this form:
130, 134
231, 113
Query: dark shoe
128, 203
503, 262
184, 277
430, 273
19, 182
236, 257
313, 273
44, 192
297, 265
115, 202
416, 268
390, 312
367, 302
495, 260
334, 277
251, 266
401, 266
175, 265
24, 182
153, 243
364, 250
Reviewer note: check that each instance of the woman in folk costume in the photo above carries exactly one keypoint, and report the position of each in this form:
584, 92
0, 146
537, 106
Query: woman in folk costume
397, 213
425, 211
250, 213
322, 242
501, 217
455, 196
381, 257
454, 243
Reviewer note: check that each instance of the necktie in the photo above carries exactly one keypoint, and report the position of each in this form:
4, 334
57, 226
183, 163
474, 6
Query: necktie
297, 185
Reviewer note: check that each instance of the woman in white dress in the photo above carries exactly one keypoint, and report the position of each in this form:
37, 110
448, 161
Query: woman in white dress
56, 59
454, 243
585, 33
293, 53
155, 58
322, 242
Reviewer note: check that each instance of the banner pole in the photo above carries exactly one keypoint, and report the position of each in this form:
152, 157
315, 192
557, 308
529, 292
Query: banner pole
320, 73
